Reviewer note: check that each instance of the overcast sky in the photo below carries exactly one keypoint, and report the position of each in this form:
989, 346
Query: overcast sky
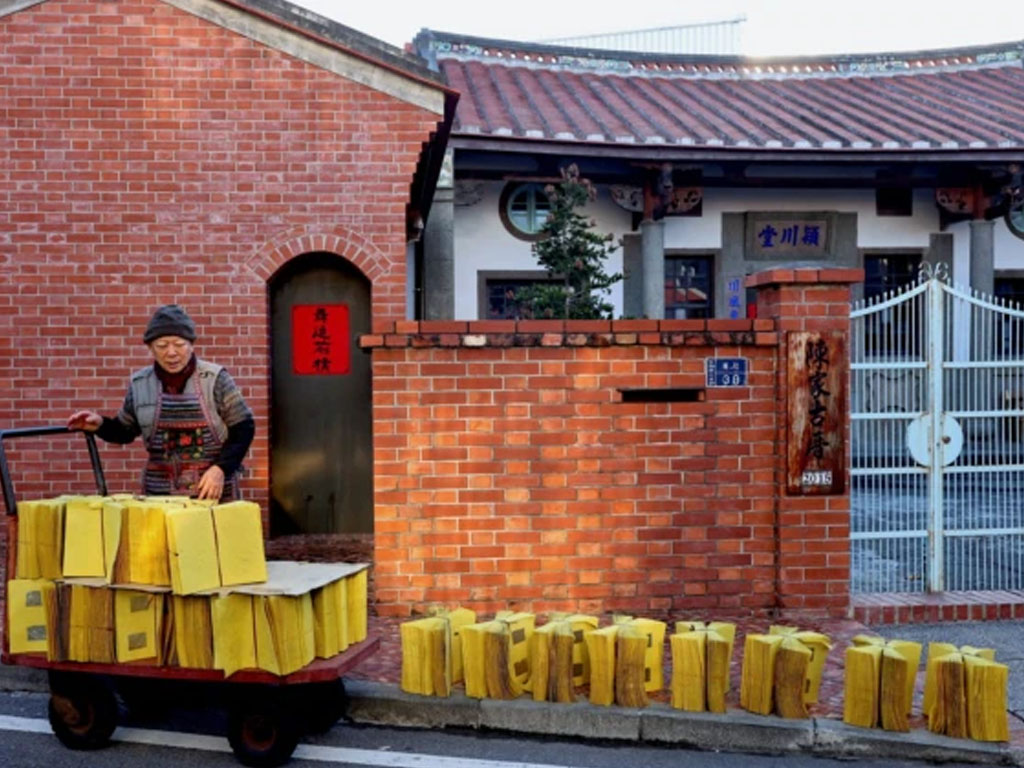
773, 27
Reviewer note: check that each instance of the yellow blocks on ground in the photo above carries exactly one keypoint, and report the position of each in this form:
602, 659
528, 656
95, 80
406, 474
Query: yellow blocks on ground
551, 662
779, 674
426, 657
965, 693
432, 651
601, 650
495, 655
819, 645
879, 682
701, 656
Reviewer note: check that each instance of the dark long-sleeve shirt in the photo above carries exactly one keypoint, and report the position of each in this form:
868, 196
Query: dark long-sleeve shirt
232, 409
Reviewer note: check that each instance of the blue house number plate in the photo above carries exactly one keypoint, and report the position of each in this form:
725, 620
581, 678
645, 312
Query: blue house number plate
726, 371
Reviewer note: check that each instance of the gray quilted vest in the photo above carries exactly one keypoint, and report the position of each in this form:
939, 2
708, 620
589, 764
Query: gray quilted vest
146, 391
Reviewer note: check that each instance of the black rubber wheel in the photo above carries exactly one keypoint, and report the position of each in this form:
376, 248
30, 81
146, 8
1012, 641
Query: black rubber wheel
262, 731
83, 711
325, 704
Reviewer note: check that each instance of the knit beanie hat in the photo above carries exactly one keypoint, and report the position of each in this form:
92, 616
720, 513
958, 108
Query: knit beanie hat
169, 320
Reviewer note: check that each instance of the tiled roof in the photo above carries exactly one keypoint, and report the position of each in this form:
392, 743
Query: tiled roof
963, 99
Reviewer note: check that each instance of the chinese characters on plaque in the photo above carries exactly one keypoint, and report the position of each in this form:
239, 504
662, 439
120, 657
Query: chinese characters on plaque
780, 237
816, 460
320, 339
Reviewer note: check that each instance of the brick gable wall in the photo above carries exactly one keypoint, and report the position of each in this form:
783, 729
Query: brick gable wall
149, 156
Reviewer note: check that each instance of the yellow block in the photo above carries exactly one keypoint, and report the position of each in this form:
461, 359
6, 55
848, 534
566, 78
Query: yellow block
83, 538
30, 606
234, 639
456, 619
285, 635
192, 548
581, 625
193, 632
426, 650
142, 554
356, 607
136, 624
654, 676
520, 628
474, 663
328, 621
40, 539
601, 649
91, 625
240, 543
113, 511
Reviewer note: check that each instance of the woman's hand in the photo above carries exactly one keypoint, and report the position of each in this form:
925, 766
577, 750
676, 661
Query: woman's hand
211, 484
87, 421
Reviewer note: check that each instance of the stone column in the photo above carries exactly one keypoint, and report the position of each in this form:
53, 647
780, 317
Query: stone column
983, 256
439, 249
633, 277
652, 246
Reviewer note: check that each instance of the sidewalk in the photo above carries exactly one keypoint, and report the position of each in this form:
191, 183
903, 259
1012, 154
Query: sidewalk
375, 697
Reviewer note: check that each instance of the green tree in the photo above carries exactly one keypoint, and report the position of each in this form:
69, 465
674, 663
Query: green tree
573, 255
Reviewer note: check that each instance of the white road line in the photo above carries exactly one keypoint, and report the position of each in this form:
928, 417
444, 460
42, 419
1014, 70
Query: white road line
370, 757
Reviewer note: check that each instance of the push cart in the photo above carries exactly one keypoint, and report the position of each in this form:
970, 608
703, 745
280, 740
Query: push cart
267, 713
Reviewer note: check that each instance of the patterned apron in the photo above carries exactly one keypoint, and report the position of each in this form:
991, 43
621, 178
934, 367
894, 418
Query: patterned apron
183, 446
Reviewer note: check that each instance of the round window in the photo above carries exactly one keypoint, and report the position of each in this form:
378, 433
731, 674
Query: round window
524, 209
1015, 221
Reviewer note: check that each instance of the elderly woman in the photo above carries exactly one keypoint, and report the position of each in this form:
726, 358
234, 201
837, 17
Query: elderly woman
195, 424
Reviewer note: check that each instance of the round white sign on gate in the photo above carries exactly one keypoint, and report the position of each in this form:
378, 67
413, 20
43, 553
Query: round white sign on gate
950, 442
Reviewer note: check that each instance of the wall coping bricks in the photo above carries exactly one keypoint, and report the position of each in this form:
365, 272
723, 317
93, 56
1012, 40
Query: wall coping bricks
780, 276
703, 333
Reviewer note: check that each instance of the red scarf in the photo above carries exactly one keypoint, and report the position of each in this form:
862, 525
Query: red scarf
174, 383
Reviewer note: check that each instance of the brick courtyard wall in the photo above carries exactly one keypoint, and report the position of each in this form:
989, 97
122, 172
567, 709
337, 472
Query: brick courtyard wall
149, 156
515, 468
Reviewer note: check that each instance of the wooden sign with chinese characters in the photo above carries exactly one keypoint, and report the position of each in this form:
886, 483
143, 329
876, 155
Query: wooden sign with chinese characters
785, 235
320, 339
816, 454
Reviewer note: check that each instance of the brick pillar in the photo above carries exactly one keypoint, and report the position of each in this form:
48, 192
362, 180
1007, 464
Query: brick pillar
812, 531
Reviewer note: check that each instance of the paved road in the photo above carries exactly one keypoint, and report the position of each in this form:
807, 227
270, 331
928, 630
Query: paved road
177, 738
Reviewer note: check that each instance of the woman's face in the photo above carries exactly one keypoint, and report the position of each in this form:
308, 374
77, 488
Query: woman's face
171, 352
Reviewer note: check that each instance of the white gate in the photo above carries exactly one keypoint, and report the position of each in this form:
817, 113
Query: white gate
937, 441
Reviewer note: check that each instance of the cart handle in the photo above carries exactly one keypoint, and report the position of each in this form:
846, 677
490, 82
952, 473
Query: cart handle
5, 475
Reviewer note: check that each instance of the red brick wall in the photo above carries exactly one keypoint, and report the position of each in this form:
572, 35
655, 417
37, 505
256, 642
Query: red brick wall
148, 156
510, 473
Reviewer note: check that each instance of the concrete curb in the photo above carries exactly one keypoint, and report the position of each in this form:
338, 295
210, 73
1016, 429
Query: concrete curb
736, 731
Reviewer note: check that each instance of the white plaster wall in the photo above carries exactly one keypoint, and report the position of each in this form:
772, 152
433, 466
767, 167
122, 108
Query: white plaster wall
873, 231
483, 243
1009, 248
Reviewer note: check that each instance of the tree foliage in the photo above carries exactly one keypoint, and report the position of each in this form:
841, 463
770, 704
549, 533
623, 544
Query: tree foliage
573, 255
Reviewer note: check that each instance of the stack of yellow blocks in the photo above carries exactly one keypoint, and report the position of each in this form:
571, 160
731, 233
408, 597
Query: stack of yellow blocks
172, 581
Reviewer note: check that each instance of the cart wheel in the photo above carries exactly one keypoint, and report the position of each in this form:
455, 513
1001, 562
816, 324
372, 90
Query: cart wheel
326, 705
83, 712
262, 731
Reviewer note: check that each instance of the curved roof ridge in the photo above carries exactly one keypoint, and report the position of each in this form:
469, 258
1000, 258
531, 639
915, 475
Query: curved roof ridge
435, 45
